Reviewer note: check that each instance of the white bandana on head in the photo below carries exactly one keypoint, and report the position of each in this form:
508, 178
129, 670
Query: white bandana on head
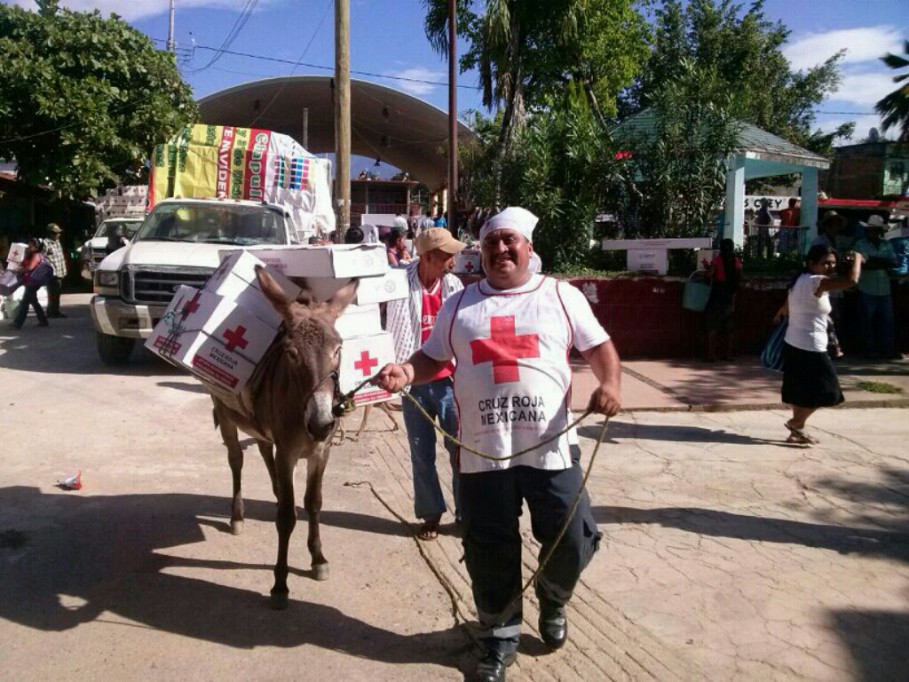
513, 218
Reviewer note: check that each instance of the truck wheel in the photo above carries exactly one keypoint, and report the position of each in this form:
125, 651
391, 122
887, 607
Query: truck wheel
114, 350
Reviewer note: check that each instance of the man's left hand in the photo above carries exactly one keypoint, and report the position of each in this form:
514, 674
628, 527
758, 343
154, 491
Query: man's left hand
605, 399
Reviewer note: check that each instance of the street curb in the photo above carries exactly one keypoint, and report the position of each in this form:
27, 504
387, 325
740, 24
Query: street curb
749, 407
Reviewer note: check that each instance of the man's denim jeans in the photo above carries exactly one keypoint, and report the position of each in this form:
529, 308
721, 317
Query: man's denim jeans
437, 398
877, 325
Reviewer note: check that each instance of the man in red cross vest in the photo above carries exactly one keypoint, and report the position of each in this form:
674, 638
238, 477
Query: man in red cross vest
510, 336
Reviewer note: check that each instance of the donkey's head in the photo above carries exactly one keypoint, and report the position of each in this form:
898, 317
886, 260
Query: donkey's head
312, 350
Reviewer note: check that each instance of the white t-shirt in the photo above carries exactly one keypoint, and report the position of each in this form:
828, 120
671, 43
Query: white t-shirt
512, 381
808, 315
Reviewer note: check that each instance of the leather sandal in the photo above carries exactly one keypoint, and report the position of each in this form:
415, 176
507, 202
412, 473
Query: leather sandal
429, 529
800, 435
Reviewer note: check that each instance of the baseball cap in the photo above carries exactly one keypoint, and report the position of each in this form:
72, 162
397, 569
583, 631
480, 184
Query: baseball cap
55, 228
438, 238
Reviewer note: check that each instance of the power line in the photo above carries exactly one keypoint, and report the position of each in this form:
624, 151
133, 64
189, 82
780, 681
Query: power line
305, 50
239, 23
322, 67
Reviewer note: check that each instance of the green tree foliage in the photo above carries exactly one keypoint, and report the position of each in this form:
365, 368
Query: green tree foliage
895, 106
744, 50
83, 99
527, 52
675, 176
560, 166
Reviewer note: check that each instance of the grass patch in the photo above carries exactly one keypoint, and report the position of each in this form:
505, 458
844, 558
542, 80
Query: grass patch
878, 387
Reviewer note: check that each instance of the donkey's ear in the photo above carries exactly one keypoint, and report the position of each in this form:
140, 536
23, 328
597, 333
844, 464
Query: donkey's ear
342, 297
274, 293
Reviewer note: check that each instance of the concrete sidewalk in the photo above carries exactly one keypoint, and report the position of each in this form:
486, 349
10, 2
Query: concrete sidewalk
727, 553
690, 385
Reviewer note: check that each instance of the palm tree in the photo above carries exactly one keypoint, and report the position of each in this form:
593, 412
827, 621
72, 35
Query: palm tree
497, 50
895, 106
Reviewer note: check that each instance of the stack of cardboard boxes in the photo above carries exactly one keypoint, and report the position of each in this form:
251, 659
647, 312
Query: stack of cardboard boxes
220, 332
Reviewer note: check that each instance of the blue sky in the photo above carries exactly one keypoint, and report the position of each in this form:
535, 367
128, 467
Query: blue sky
388, 42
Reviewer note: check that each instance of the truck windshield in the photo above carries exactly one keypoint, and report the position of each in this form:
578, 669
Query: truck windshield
118, 228
214, 224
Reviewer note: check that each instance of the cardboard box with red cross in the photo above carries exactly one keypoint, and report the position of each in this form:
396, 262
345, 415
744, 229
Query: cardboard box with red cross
361, 358
211, 336
339, 261
17, 252
235, 279
359, 320
373, 289
467, 262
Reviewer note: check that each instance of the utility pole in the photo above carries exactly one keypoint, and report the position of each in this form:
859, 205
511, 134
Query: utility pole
452, 115
342, 113
171, 45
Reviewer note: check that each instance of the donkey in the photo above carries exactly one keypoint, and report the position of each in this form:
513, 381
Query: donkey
288, 409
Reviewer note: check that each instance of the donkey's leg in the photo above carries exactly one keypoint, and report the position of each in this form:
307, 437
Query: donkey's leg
235, 458
267, 451
366, 410
312, 501
389, 412
285, 520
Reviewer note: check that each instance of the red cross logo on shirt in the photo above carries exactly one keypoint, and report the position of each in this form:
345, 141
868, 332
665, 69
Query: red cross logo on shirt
504, 348
365, 363
235, 338
191, 306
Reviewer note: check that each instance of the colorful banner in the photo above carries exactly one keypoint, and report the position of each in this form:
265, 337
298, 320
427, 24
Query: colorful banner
206, 161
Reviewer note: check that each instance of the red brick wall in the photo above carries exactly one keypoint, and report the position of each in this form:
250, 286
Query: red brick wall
645, 318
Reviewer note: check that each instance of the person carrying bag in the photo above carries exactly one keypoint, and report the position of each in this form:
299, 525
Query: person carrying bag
696, 292
36, 273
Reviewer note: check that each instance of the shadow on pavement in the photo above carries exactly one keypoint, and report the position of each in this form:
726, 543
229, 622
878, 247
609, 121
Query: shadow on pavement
69, 346
842, 539
108, 554
620, 430
876, 640
884, 503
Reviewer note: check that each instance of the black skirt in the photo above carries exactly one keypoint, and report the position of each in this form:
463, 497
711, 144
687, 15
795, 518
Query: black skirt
809, 379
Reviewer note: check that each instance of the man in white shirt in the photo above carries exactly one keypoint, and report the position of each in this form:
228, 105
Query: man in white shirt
511, 335
410, 321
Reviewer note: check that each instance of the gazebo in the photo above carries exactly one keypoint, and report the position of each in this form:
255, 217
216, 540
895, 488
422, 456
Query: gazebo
757, 154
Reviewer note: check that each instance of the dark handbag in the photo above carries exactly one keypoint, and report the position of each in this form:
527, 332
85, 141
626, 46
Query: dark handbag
41, 275
772, 355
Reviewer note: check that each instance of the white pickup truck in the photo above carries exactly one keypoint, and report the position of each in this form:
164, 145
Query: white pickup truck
177, 244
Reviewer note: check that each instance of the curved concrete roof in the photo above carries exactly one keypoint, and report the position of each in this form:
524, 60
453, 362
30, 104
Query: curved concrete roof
385, 123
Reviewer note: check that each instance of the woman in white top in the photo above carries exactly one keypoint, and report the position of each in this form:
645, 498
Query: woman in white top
809, 379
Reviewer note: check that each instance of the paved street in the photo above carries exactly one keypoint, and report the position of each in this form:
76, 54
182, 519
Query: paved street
727, 554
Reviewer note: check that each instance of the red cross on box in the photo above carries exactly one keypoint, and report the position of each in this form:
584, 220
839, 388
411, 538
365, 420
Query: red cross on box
504, 348
235, 338
191, 306
365, 363
469, 266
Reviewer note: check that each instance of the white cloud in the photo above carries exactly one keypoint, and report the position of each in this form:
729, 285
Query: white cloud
864, 89
862, 45
132, 10
417, 76
863, 124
